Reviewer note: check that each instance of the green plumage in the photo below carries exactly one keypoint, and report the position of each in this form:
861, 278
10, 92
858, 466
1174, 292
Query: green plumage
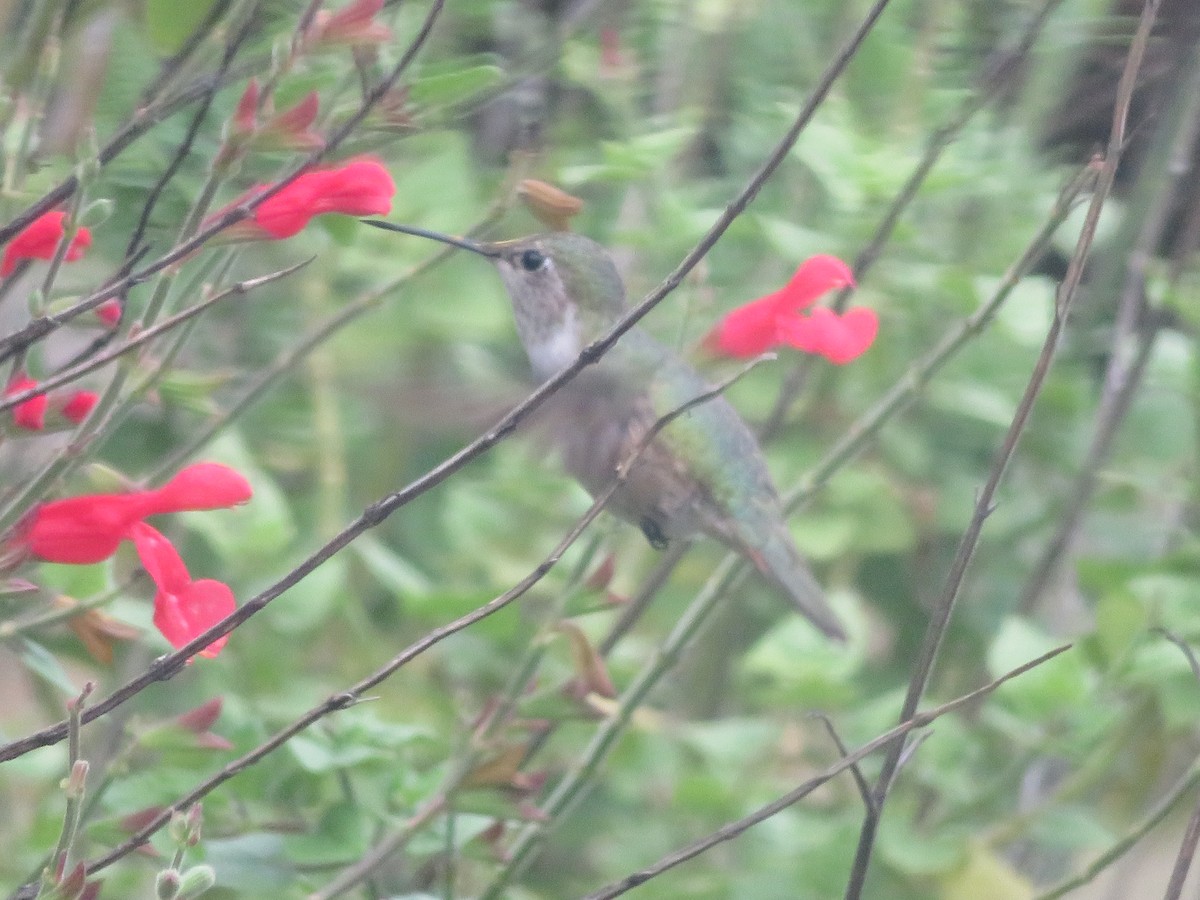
704, 472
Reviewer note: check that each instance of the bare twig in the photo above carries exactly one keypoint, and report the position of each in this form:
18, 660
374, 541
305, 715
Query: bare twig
238, 289
860, 780
848, 761
944, 608
1161, 810
1125, 367
1005, 69
1183, 860
348, 697
169, 665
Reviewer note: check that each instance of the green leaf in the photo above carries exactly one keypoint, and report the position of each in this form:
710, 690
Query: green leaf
45, 665
319, 754
388, 568
448, 88
1058, 686
169, 22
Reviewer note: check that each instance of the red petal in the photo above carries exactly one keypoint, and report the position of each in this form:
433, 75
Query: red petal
838, 338
191, 611
201, 486
160, 559
79, 404
286, 213
109, 312
816, 276
82, 530
31, 414
40, 238
748, 330
246, 114
360, 188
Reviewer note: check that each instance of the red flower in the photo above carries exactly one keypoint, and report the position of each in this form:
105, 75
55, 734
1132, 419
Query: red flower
109, 312
31, 414
359, 188
89, 529
776, 319
78, 405
40, 239
182, 608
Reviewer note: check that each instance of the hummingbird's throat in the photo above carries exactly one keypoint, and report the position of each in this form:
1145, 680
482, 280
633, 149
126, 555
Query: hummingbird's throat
547, 322
551, 345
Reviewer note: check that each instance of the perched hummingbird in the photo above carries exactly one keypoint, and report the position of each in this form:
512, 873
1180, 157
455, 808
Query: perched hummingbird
704, 472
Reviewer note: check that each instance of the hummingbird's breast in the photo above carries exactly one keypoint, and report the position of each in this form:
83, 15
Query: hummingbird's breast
599, 423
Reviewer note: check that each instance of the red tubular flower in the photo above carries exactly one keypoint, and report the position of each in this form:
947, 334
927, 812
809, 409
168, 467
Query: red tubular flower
201, 486
837, 338
78, 405
109, 312
31, 414
40, 239
183, 608
82, 530
88, 529
777, 319
360, 188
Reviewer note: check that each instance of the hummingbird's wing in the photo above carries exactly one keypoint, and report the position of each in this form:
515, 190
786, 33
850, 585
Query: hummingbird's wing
715, 463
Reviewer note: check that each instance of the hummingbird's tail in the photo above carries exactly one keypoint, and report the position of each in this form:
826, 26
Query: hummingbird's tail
779, 560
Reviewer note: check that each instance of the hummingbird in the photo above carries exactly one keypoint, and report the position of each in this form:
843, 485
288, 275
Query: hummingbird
704, 472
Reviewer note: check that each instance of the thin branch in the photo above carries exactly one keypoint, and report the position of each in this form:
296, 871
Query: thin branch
40, 327
238, 289
1005, 68
1125, 368
1183, 860
1188, 783
167, 666
891, 738
860, 780
940, 620
181, 152
348, 697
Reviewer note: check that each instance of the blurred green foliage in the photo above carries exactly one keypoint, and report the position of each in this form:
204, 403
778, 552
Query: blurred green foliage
654, 113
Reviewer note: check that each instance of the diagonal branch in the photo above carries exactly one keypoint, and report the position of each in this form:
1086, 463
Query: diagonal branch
944, 608
891, 738
350, 696
169, 665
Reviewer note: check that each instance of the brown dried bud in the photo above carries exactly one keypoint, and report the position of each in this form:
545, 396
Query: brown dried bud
553, 206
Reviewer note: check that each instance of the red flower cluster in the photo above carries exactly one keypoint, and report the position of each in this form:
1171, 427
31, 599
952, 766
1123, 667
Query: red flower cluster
777, 320
31, 415
362, 187
39, 240
88, 529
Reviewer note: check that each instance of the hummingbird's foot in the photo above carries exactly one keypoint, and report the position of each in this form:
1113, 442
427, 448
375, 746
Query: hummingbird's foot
654, 533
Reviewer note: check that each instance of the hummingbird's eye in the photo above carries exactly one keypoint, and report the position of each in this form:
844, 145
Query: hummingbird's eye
532, 260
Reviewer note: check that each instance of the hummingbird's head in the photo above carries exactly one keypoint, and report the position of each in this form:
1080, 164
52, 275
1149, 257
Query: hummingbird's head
564, 287
565, 292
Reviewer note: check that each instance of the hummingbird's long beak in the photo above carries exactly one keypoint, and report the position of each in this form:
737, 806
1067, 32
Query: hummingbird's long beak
465, 243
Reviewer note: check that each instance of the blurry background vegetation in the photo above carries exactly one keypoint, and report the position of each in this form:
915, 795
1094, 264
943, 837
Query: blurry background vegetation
654, 113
